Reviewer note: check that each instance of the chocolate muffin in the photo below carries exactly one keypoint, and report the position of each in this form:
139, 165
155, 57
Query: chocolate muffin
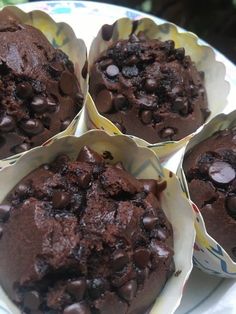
84, 237
39, 92
149, 89
210, 169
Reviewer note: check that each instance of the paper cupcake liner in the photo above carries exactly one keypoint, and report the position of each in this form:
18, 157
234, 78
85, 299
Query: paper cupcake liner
209, 255
142, 163
203, 56
61, 36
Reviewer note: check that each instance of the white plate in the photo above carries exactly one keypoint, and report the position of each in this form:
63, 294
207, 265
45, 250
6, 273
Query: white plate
204, 294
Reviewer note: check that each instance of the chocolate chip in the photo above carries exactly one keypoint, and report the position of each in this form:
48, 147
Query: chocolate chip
149, 221
146, 116
65, 124
221, 172
24, 90
51, 105
160, 249
60, 199
161, 234
55, 68
77, 288
141, 257
23, 188
21, 148
120, 102
142, 275
150, 85
149, 185
169, 45
4, 70
32, 300
1, 232
104, 101
88, 155
77, 308
180, 53
130, 71
66, 83
119, 260
84, 180
38, 104
7, 123
112, 70
167, 132
128, 291
231, 206
32, 126
4, 212
97, 287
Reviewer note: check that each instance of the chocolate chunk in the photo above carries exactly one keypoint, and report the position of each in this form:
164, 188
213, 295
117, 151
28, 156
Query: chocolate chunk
97, 287
65, 124
119, 260
51, 105
77, 288
32, 126
104, 101
150, 85
221, 172
231, 206
77, 308
128, 291
130, 71
67, 83
112, 70
167, 133
23, 188
180, 53
88, 155
141, 257
169, 45
142, 275
7, 123
39, 104
24, 90
149, 222
146, 116
84, 180
120, 102
150, 185
32, 300
21, 148
160, 249
55, 68
4, 212
60, 199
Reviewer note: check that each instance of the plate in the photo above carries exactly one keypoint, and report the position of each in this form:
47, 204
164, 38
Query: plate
204, 294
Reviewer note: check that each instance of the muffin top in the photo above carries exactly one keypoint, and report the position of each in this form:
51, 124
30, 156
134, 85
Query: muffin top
149, 89
210, 169
39, 92
87, 237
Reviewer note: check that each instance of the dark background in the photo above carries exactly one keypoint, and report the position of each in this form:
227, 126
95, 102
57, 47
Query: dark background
212, 20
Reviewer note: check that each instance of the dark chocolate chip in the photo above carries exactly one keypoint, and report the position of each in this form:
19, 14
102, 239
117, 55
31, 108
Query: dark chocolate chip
112, 70
142, 275
66, 83
55, 68
7, 123
150, 85
128, 291
146, 116
130, 71
60, 199
77, 288
1, 232
180, 53
159, 249
141, 257
161, 234
21, 148
169, 45
149, 221
88, 155
32, 300
77, 308
32, 126
120, 102
65, 124
4, 212
104, 101
84, 180
221, 172
38, 104
167, 132
97, 287
51, 105
231, 206
119, 260
149, 185
24, 90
